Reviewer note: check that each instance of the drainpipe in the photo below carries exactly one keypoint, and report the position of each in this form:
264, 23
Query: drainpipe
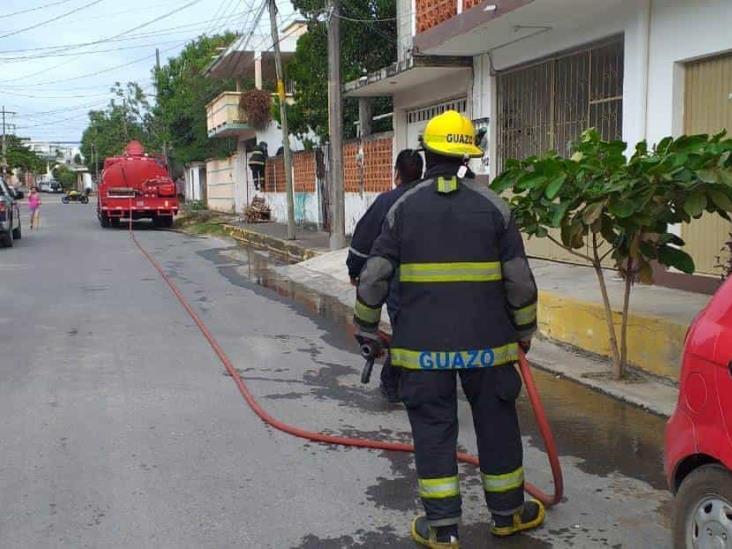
645, 55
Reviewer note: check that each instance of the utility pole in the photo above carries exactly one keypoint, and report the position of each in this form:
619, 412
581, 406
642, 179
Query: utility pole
335, 127
157, 71
283, 116
96, 157
4, 143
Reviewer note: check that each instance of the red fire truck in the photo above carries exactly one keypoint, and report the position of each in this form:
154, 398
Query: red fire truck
138, 186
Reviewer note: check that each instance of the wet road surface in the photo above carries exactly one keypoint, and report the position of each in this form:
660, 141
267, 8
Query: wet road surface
120, 428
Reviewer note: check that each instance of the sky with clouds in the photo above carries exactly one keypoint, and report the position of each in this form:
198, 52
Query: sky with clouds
59, 58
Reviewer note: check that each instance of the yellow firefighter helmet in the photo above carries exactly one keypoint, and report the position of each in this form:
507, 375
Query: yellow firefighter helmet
451, 134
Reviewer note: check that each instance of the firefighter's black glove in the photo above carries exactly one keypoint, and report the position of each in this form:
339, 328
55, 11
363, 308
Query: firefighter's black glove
370, 344
525, 345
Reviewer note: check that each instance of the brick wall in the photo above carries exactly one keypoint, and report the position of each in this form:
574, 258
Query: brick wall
303, 164
431, 13
274, 175
376, 172
467, 4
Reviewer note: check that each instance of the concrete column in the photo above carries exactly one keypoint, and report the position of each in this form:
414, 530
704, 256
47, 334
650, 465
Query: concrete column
365, 115
258, 70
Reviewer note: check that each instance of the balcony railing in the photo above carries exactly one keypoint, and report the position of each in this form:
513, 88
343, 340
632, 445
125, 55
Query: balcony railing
224, 117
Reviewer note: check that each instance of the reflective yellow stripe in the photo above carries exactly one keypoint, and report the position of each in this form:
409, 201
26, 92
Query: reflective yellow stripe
438, 488
366, 313
503, 483
526, 315
452, 360
486, 271
446, 185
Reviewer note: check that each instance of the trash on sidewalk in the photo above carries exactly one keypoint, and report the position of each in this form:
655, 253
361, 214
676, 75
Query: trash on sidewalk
258, 211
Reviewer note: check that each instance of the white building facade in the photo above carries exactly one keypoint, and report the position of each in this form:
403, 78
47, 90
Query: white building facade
539, 72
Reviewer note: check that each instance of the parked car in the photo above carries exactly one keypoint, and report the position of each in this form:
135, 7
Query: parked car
56, 186
44, 186
9, 215
699, 434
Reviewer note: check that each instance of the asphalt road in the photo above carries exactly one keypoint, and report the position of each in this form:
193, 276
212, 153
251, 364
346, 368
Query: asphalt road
119, 428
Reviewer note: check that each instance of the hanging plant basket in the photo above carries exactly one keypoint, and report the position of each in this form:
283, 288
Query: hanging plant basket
257, 105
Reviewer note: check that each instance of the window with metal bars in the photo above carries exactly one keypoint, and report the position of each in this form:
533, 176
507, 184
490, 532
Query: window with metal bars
426, 113
548, 104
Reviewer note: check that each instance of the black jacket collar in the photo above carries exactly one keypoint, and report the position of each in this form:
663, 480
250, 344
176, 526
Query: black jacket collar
447, 169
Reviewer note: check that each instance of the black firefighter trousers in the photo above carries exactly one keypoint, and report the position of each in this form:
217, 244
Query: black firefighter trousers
431, 401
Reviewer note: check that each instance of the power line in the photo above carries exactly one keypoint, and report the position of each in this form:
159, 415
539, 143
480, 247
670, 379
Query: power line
56, 18
219, 13
103, 71
91, 52
339, 16
28, 10
371, 23
111, 38
118, 38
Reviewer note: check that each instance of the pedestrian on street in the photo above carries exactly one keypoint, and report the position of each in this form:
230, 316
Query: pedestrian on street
407, 171
34, 205
467, 302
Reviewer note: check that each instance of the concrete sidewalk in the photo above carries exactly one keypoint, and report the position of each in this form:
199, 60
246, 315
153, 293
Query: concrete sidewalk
570, 305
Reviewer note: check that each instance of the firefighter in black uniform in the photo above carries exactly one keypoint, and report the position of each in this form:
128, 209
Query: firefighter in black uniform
257, 161
408, 170
468, 301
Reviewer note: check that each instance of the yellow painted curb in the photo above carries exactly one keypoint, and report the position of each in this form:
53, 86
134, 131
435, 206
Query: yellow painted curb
283, 248
654, 343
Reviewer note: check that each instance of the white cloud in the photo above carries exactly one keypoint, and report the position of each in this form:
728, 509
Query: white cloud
52, 94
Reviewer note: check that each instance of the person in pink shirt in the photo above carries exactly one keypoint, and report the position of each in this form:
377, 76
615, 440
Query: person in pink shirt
34, 204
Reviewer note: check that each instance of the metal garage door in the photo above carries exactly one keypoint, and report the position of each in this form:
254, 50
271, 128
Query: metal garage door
707, 109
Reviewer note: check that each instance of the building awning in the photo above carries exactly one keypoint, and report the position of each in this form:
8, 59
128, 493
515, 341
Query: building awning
240, 65
242, 130
492, 25
237, 61
407, 74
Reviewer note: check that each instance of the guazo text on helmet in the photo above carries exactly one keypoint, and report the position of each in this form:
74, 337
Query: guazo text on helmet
460, 138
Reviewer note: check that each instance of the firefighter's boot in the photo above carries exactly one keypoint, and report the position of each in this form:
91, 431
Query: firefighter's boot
529, 517
434, 538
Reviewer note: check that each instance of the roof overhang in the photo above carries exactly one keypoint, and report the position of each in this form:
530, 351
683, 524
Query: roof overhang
407, 74
495, 25
242, 130
240, 65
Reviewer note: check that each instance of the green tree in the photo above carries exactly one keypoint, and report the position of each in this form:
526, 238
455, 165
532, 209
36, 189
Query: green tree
368, 32
65, 176
126, 117
599, 204
21, 157
182, 95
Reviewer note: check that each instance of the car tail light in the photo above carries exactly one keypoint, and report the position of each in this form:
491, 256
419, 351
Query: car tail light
3, 207
166, 189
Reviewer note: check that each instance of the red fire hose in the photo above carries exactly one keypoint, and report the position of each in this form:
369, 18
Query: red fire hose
539, 413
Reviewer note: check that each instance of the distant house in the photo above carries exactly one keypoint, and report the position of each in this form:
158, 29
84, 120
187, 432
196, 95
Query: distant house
229, 185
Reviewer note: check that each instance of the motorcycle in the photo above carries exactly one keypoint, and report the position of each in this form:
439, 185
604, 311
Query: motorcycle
75, 196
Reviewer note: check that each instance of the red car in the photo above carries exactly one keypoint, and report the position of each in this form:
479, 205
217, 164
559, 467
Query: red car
699, 434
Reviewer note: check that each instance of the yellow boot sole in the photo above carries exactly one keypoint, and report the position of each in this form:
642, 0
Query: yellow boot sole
432, 544
518, 526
